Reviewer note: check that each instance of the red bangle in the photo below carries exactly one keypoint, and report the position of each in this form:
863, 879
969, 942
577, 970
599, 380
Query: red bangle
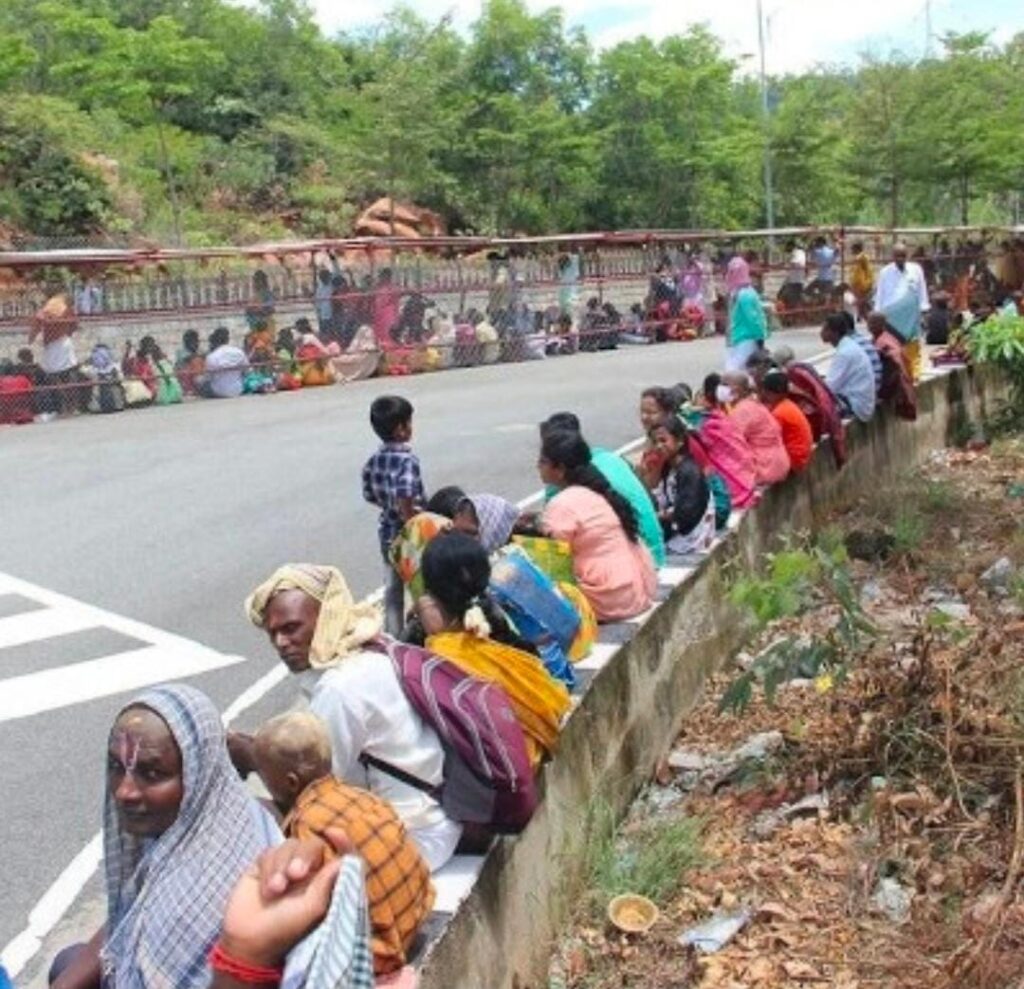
257, 975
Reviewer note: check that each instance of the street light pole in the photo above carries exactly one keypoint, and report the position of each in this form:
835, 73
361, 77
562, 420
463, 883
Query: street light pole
769, 197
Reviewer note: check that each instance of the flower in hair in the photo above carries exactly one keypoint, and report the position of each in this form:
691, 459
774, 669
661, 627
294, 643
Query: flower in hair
475, 622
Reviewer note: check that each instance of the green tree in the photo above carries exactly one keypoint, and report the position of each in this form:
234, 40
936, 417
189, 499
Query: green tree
881, 126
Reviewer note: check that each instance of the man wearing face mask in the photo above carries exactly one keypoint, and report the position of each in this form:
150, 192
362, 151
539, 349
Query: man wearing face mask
902, 296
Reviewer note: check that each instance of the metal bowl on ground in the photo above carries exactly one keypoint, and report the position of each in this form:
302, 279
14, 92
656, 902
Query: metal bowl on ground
632, 914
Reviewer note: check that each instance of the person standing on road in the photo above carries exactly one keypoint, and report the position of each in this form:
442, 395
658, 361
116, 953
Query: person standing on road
901, 297
392, 481
55, 323
179, 830
320, 633
748, 327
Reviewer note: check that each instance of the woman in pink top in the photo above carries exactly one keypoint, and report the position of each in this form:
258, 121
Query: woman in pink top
614, 570
760, 429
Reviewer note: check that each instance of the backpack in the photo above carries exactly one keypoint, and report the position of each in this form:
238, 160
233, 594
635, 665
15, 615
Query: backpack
488, 779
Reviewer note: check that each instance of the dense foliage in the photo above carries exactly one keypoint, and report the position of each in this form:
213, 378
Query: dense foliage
219, 120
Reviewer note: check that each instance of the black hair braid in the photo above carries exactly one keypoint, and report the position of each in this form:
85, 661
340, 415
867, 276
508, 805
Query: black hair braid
590, 477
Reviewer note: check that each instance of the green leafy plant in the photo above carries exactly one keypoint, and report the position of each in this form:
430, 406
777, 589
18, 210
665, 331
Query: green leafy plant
795, 580
1000, 341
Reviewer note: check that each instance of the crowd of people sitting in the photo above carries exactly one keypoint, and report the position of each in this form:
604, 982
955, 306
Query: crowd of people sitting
430, 712
373, 327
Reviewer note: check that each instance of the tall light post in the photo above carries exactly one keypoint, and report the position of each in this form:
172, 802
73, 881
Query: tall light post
769, 195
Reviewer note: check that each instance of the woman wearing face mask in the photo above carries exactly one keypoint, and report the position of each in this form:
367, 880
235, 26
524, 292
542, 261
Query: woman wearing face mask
759, 428
718, 444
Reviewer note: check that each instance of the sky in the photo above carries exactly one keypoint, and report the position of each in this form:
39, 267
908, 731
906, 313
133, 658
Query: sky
801, 33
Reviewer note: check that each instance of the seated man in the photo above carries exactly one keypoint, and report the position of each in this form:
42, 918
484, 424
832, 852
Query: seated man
326, 638
224, 368
293, 757
850, 376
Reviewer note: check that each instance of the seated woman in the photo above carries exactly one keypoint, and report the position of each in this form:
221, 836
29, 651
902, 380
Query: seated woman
138, 374
167, 389
759, 428
555, 623
897, 385
179, 831
188, 361
613, 569
456, 614
656, 405
686, 505
716, 443
313, 357
810, 394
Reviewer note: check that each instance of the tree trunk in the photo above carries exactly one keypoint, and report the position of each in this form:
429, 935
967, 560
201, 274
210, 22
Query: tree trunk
965, 199
165, 162
894, 203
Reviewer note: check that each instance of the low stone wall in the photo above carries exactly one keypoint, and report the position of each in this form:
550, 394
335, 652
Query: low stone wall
631, 709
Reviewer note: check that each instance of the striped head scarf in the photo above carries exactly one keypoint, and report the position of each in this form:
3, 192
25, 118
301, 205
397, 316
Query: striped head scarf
166, 896
496, 518
343, 625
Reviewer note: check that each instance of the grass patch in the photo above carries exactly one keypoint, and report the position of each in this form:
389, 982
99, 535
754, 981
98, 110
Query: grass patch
650, 858
908, 529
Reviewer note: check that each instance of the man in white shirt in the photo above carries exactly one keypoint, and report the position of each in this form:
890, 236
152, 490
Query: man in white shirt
902, 296
320, 635
224, 368
850, 377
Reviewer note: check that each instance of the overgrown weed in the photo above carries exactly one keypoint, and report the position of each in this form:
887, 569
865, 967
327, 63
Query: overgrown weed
649, 858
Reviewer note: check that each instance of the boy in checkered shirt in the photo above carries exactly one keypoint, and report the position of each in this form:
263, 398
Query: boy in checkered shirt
393, 482
293, 757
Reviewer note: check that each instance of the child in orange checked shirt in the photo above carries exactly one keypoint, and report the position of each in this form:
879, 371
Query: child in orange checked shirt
293, 757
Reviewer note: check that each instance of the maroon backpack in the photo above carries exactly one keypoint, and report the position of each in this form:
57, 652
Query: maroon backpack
488, 779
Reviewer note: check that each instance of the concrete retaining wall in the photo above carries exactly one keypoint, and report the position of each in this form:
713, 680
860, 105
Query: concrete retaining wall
501, 935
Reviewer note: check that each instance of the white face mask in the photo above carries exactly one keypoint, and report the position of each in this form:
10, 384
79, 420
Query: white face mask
723, 394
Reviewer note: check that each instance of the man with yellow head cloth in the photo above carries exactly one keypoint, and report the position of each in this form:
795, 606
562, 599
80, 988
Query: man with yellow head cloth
323, 635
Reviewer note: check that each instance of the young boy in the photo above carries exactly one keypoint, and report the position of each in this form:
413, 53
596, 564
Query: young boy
393, 482
293, 757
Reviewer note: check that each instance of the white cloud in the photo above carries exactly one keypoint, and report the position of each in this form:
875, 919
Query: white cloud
801, 33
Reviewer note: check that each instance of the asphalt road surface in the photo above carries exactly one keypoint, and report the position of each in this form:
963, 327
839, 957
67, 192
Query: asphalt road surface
130, 541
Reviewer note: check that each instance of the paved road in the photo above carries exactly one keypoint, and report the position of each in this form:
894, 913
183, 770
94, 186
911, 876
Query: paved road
123, 534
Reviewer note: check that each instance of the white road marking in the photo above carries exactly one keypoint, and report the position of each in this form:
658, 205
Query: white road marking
55, 902
166, 657
76, 683
17, 630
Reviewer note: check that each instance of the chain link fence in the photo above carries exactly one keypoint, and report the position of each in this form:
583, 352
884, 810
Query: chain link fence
101, 328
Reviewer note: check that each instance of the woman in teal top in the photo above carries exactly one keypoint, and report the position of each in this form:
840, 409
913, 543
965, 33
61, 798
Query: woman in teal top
748, 327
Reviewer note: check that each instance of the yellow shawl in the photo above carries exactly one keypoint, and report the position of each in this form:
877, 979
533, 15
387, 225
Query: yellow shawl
343, 625
538, 699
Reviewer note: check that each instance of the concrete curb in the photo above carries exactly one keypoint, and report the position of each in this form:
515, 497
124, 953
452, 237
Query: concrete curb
502, 933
